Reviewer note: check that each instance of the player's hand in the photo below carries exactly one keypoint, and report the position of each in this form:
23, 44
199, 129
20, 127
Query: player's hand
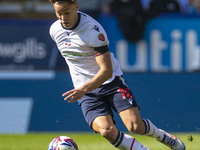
73, 95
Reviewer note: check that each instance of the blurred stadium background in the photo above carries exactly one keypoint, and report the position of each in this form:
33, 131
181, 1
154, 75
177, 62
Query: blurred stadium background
162, 68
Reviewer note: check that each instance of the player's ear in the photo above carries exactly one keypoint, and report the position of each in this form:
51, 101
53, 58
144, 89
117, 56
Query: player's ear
77, 6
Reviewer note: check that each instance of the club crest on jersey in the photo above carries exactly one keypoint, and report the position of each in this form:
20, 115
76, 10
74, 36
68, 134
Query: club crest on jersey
101, 37
68, 42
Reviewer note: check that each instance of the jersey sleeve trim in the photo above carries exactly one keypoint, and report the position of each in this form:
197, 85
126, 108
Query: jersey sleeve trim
101, 50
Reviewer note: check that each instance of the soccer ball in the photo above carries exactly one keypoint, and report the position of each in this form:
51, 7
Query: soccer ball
62, 143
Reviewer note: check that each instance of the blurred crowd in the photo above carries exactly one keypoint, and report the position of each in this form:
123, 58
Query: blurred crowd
132, 15
107, 6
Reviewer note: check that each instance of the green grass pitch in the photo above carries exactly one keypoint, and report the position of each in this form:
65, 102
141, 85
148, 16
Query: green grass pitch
85, 141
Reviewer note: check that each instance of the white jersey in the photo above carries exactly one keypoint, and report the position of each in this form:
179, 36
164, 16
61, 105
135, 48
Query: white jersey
78, 45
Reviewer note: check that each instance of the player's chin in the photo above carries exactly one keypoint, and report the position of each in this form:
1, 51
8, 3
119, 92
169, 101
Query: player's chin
66, 25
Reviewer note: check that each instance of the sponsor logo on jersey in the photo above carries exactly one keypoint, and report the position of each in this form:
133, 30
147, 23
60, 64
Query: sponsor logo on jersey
101, 37
76, 54
68, 42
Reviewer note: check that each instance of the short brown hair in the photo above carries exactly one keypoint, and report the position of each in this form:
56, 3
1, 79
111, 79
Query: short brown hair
70, 1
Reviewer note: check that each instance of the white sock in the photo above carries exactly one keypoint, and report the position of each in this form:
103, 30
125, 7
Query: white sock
152, 130
127, 142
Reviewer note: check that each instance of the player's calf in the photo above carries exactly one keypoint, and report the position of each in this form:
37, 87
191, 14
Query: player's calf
127, 142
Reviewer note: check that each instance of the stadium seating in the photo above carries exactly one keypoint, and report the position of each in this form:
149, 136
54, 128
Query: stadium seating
26, 9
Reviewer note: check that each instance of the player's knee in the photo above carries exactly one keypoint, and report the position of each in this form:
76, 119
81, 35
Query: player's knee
136, 128
107, 132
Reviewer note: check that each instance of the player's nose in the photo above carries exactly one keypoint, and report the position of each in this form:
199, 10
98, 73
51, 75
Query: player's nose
64, 18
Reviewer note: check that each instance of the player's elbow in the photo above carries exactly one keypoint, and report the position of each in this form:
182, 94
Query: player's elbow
106, 72
109, 73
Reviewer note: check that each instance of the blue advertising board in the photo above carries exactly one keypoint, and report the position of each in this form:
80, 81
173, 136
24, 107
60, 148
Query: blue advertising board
170, 101
26, 45
169, 44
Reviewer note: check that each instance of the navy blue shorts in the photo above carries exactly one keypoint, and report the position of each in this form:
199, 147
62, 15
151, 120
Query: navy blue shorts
115, 95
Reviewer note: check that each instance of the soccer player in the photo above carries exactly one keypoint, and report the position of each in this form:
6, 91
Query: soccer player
98, 82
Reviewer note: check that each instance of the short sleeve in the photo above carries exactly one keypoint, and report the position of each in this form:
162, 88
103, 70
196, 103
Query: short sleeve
97, 36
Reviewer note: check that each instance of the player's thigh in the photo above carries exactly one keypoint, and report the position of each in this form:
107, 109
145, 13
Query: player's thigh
132, 120
93, 107
131, 114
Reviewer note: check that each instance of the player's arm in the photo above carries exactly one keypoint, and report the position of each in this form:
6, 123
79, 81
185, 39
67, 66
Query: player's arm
105, 72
